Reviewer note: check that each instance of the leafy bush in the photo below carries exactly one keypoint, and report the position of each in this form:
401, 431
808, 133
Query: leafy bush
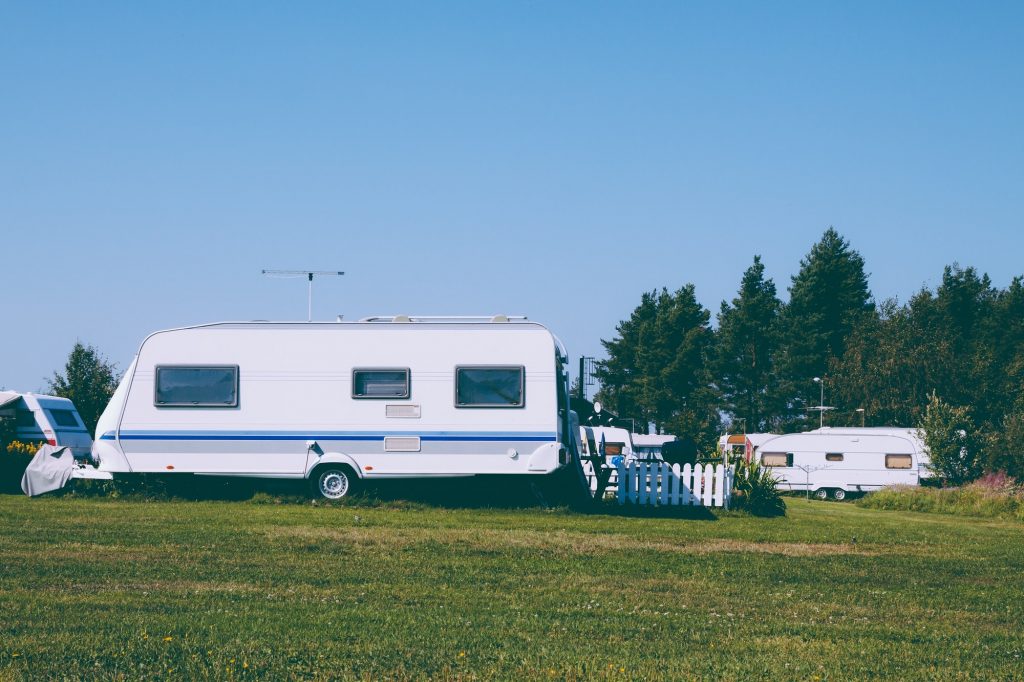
952, 441
754, 490
992, 496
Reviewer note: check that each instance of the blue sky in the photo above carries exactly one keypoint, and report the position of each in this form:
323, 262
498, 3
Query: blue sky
549, 159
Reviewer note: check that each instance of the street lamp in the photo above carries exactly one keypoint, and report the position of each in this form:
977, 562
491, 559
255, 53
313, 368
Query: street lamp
821, 404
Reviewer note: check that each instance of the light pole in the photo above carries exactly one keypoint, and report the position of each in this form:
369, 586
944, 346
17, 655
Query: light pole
821, 403
861, 410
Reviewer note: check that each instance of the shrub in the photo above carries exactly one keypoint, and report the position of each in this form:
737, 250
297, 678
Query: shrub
754, 490
992, 496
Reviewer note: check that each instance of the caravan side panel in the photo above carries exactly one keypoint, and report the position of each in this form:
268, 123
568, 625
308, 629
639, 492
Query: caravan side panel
295, 385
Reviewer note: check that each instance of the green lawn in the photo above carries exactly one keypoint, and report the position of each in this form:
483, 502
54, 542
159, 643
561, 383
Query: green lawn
101, 588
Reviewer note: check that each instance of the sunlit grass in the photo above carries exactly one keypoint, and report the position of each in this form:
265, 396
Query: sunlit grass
98, 588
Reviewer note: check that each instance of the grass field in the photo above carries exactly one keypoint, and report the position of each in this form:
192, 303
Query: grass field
100, 588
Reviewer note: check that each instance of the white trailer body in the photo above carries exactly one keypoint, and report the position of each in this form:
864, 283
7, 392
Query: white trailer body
837, 461
47, 418
385, 397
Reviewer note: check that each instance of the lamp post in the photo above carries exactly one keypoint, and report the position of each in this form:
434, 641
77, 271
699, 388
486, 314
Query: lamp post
861, 410
821, 404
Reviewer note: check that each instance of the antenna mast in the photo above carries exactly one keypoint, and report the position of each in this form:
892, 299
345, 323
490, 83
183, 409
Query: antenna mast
308, 274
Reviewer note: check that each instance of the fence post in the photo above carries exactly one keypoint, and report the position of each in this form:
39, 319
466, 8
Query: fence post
621, 478
720, 485
632, 478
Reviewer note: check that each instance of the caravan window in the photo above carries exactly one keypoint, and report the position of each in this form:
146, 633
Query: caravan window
197, 386
64, 418
898, 461
25, 419
380, 383
489, 386
777, 459
834, 457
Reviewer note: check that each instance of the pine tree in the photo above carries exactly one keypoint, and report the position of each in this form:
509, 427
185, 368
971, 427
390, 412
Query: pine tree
746, 344
658, 366
829, 297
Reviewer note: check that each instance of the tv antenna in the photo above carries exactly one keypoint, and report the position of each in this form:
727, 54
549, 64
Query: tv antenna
309, 275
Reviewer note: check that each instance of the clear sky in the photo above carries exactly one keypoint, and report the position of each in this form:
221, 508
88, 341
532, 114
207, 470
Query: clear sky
548, 159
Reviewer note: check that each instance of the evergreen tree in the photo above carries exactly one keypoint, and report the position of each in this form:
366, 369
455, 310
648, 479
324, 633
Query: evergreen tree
829, 297
746, 345
657, 368
88, 381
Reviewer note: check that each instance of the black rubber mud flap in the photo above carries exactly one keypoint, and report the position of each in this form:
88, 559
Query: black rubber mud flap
567, 487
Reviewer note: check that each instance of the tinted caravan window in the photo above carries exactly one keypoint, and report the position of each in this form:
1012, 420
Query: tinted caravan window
25, 419
197, 386
489, 386
380, 383
64, 418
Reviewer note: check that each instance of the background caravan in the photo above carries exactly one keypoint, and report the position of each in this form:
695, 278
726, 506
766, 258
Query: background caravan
46, 419
845, 460
336, 402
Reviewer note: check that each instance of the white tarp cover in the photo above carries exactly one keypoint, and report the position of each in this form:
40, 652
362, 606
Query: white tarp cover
49, 470
8, 397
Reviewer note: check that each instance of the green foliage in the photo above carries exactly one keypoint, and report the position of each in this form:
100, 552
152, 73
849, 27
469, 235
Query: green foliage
747, 342
754, 490
952, 441
990, 497
658, 366
88, 381
963, 340
8, 431
828, 299
1004, 447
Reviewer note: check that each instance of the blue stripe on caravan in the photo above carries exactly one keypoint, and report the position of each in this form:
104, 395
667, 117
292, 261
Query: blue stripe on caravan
450, 436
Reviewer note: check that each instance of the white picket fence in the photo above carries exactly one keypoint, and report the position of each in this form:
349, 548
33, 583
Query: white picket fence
664, 484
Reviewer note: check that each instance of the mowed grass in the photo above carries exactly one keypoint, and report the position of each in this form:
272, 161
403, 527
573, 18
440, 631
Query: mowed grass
102, 589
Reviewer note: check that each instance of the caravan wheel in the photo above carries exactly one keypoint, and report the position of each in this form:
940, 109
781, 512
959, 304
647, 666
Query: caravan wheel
333, 482
838, 494
821, 493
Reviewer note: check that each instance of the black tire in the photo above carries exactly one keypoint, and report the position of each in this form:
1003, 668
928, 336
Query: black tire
821, 494
838, 494
333, 482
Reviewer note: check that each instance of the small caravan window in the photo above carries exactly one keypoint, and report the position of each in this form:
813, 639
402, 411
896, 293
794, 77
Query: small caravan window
898, 461
489, 386
834, 457
197, 386
25, 419
380, 383
777, 459
64, 418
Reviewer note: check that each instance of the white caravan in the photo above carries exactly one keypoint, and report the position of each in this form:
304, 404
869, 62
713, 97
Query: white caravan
734, 446
336, 402
46, 418
838, 461
648, 446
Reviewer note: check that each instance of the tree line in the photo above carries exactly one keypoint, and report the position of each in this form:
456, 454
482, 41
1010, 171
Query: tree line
954, 355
